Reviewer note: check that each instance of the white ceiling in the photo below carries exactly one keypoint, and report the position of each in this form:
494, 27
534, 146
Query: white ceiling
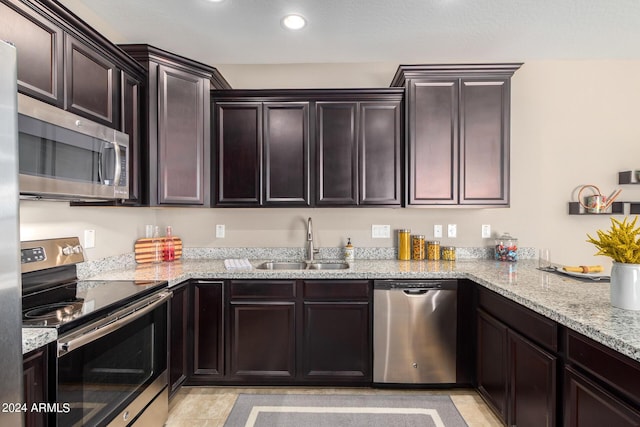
399, 31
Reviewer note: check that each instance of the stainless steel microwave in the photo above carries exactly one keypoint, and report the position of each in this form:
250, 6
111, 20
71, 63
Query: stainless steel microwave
65, 156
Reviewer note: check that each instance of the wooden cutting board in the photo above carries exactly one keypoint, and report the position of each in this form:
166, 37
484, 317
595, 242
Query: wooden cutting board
144, 249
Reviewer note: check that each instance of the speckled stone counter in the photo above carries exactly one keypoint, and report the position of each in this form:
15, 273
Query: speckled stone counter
33, 338
583, 307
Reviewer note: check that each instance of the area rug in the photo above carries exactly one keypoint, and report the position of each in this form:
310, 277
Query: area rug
316, 410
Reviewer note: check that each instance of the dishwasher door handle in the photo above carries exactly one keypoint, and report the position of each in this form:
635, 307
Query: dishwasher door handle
416, 291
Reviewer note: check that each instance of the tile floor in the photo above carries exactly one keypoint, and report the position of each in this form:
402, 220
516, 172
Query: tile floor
210, 406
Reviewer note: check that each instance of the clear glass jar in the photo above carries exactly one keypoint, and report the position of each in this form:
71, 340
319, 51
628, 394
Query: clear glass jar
404, 244
506, 248
449, 253
418, 252
433, 250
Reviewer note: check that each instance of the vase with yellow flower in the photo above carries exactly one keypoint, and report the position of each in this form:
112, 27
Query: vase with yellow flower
622, 244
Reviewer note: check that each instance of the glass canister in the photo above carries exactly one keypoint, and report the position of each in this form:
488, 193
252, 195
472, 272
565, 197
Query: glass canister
404, 244
417, 243
433, 250
449, 253
506, 248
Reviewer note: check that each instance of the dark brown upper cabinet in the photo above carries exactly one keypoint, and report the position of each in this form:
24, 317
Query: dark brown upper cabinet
308, 147
92, 83
358, 150
262, 151
177, 117
457, 124
337, 153
286, 153
40, 45
130, 123
238, 133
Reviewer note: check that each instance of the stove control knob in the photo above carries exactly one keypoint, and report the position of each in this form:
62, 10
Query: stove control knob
67, 250
77, 249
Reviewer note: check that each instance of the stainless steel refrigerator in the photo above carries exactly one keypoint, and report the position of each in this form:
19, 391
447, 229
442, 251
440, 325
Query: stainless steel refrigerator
10, 284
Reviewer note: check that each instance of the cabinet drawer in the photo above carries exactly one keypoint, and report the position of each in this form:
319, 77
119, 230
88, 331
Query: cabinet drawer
613, 368
530, 324
336, 289
262, 289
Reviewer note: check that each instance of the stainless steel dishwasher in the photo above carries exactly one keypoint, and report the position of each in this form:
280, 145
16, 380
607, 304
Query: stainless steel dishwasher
414, 331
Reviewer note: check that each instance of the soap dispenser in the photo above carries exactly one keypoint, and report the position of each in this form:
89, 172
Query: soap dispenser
349, 251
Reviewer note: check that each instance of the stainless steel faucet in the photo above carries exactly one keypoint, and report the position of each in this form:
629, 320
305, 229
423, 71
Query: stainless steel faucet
311, 251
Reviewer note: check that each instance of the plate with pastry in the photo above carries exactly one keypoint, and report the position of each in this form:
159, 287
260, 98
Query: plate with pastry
593, 272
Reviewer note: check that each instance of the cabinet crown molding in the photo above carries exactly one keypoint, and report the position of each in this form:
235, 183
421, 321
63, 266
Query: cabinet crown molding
405, 72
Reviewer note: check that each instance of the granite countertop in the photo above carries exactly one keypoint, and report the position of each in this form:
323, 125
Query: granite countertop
581, 306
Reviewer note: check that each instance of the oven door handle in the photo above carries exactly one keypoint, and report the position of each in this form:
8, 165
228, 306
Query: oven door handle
72, 344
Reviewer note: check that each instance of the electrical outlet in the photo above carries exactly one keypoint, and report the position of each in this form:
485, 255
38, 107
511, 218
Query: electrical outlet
451, 230
89, 239
486, 231
220, 231
379, 231
437, 230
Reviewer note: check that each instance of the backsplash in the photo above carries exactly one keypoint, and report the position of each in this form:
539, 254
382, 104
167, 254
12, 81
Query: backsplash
91, 268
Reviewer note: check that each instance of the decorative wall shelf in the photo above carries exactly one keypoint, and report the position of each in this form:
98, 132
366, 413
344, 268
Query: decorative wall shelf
617, 208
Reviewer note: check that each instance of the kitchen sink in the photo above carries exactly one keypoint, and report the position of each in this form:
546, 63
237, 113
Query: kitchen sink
301, 265
282, 265
328, 266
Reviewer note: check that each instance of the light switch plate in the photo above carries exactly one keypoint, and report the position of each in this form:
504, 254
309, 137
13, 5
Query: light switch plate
437, 230
220, 231
452, 230
380, 231
89, 239
486, 231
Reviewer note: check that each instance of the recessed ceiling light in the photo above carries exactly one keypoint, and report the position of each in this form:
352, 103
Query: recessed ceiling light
294, 22
216, 1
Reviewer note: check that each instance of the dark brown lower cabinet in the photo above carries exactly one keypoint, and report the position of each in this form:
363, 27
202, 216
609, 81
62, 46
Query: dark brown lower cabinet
179, 337
532, 378
492, 363
262, 339
587, 404
35, 369
336, 336
208, 327
516, 377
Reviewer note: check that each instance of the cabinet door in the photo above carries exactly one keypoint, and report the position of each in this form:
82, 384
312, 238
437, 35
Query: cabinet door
433, 142
35, 386
91, 83
532, 384
379, 160
286, 153
262, 340
208, 338
239, 151
337, 153
589, 405
179, 338
39, 43
484, 141
183, 151
130, 123
492, 363
336, 342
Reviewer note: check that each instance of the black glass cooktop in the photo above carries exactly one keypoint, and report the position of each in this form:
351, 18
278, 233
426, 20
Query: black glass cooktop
69, 305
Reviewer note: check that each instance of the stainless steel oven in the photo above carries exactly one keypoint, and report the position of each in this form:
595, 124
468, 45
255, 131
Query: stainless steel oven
112, 370
111, 358
65, 156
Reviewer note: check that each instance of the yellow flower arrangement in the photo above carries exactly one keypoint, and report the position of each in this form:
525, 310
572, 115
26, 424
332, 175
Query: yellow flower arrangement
621, 243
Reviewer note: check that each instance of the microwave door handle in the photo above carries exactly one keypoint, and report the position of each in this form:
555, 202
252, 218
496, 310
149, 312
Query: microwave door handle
100, 156
117, 170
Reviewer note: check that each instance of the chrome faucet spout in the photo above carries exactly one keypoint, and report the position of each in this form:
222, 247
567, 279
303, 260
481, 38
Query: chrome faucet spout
311, 251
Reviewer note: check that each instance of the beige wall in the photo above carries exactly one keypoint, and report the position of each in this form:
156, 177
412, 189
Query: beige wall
573, 123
